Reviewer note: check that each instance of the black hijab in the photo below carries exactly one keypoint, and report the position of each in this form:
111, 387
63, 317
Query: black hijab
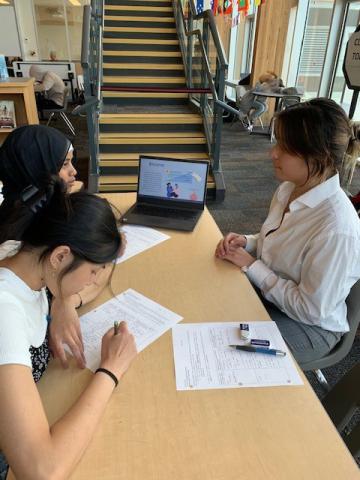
29, 156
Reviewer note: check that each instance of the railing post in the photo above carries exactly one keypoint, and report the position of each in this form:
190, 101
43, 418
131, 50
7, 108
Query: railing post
218, 121
190, 44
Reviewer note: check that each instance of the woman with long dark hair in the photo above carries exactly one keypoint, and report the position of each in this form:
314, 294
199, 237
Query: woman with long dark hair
66, 240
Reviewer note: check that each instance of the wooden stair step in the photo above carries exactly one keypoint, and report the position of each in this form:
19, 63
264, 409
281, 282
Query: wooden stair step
143, 79
139, 30
132, 18
128, 162
144, 66
138, 135
143, 95
127, 8
141, 118
139, 53
155, 141
141, 41
112, 158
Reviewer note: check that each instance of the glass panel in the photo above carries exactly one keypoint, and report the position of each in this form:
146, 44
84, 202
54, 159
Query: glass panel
340, 93
314, 46
50, 20
74, 13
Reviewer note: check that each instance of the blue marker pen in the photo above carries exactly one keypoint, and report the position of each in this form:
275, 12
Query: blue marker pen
267, 351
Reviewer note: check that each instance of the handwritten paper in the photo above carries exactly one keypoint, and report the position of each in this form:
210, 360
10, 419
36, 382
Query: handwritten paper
146, 319
204, 360
139, 239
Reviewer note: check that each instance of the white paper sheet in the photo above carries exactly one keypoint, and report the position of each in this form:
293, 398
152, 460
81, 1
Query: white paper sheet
147, 321
204, 360
139, 239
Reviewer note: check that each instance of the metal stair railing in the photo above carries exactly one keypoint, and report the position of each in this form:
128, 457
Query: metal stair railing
205, 67
91, 62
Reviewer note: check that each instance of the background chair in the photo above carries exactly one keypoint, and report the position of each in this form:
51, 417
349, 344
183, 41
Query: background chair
341, 403
345, 344
62, 113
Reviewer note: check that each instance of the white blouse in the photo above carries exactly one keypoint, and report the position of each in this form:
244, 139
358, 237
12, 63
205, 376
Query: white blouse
307, 263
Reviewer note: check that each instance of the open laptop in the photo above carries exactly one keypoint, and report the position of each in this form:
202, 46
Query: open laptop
171, 193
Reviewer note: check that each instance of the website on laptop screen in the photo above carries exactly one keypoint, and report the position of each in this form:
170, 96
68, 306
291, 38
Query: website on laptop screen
172, 180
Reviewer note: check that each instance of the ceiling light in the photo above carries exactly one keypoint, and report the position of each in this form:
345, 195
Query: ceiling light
4, 2
76, 3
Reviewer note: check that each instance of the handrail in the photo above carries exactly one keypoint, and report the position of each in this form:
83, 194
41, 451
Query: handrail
85, 35
91, 62
212, 105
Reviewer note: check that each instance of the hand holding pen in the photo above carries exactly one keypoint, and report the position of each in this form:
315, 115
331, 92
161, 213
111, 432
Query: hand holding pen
118, 349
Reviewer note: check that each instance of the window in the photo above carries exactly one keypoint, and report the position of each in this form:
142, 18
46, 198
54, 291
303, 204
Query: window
339, 91
59, 28
314, 45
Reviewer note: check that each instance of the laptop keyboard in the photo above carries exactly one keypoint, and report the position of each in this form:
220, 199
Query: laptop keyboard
165, 212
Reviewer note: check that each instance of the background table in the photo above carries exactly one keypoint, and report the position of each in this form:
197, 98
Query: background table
150, 431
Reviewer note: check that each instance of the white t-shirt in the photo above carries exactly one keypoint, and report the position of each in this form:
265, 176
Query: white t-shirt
23, 319
308, 261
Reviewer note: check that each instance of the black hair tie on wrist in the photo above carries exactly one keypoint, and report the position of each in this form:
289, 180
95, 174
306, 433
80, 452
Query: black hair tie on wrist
111, 375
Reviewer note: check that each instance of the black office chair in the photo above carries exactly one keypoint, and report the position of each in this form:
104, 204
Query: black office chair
341, 403
343, 347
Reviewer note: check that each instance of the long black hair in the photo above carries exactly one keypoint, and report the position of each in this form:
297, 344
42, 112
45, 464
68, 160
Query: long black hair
29, 156
49, 218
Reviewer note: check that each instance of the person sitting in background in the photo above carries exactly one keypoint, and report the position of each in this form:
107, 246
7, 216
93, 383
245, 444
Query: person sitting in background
306, 257
50, 85
252, 106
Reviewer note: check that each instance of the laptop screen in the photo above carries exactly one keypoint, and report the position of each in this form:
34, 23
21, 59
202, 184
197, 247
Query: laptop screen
173, 180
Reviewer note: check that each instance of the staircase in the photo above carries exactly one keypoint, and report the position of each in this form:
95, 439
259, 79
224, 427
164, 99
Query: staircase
141, 51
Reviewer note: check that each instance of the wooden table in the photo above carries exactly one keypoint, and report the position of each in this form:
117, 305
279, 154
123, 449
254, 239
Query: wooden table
150, 431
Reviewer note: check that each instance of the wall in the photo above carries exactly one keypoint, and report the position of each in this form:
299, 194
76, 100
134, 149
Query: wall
9, 37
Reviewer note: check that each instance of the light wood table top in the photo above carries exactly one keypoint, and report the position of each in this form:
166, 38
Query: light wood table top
150, 431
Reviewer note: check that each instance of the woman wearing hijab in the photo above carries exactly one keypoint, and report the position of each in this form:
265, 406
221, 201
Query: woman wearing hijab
29, 156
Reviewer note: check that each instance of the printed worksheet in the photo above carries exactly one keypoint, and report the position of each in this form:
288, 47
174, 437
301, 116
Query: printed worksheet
146, 319
204, 360
139, 239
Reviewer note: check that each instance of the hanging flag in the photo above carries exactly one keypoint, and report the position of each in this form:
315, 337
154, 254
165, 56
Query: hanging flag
228, 7
244, 6
214, 6
199, 6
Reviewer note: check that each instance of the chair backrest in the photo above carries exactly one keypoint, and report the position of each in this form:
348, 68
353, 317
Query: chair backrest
66, 96
345, 344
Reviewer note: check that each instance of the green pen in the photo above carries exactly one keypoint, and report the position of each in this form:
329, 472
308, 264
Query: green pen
116, 328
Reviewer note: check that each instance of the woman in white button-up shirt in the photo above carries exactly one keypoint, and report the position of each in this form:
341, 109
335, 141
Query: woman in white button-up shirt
306, 257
